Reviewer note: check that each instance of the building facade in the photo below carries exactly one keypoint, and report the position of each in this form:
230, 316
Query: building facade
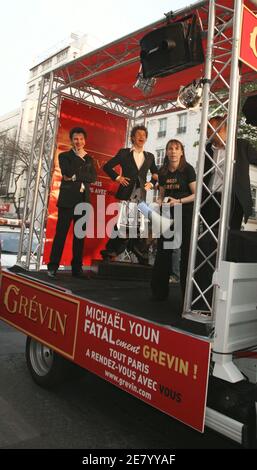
16, 127
9, 125
182, 125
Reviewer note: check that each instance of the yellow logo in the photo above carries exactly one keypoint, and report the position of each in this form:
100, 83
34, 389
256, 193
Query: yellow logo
253, 40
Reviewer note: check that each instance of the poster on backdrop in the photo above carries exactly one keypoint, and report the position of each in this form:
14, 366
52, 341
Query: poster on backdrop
106, 135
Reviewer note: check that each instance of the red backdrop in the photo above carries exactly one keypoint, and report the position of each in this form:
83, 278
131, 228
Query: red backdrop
106, 134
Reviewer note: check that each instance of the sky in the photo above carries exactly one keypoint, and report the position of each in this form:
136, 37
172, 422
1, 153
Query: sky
31, 27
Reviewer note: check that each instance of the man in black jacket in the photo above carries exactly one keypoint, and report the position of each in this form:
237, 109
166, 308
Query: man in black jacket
241, 202
135, 164
78, 171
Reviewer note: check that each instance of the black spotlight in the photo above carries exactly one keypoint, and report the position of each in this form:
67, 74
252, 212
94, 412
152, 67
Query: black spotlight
171, 48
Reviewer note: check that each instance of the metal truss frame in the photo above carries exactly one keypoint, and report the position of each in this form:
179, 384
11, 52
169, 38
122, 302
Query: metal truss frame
38, 182
221, 54
104, 61
97, 99
116, 105
222, 60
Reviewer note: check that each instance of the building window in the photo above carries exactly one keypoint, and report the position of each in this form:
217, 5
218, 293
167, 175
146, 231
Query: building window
254, 198
47, 64
31, 88
160, 157
61, 55
182, 123
162, 127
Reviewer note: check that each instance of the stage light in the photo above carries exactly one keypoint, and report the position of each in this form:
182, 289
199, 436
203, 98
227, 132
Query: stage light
190, 96
146, 85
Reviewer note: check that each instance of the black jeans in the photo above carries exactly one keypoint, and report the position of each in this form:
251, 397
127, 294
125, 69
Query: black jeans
65, 217
163, 261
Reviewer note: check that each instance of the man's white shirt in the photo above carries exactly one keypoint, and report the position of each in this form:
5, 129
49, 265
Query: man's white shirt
138, 157
216, 180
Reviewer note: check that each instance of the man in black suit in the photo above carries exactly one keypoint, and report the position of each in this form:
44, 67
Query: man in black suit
78, 171
241, 202
245, 155
135, 164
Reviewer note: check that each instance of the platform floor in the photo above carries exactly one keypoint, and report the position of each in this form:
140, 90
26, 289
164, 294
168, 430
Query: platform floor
130, 296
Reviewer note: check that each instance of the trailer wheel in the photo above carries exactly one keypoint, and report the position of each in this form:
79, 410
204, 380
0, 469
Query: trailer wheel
46, 367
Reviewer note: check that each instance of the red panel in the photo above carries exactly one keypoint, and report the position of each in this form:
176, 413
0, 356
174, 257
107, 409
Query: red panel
47, 315
166, 368
122, 83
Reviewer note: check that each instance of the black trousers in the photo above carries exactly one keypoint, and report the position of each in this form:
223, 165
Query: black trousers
203, 277
65, 218
163, 261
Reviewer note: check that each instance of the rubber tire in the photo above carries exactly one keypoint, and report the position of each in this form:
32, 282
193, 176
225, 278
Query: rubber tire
47, 368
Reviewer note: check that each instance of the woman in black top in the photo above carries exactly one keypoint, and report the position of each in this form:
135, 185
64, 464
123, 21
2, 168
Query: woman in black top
177, 182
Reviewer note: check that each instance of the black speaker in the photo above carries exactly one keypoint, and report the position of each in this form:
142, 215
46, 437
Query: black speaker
171, 48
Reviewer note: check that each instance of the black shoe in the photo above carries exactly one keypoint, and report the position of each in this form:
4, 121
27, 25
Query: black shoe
80, 274
51, 273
